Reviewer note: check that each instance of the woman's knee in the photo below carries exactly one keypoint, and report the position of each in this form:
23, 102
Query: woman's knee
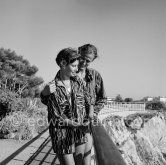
66, 159
89, 142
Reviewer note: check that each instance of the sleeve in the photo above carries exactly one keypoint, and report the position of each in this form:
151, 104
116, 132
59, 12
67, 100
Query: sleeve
100, 94
44, 99
54, 108
87, 96
55, 114
45, 93
88, 101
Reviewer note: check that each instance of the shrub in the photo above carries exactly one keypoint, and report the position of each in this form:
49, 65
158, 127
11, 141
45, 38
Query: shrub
25, 123
8, 101
128, 100
155, 105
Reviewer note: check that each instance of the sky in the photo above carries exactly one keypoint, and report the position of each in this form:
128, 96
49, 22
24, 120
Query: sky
130, 36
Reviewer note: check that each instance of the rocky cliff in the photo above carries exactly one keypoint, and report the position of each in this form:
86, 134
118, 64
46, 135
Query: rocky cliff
141, 138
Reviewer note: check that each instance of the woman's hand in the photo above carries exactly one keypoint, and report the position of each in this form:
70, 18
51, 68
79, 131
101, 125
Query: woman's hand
48, 89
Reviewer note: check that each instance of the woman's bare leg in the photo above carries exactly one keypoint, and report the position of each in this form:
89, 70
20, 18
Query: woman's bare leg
79, 153
66, 159
88, 147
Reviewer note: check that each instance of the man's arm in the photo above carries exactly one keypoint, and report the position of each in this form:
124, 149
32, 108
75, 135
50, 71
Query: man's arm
100, 94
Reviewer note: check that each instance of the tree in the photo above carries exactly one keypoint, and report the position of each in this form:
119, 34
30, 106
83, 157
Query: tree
118, 98
155, 105
128, 99
16, 73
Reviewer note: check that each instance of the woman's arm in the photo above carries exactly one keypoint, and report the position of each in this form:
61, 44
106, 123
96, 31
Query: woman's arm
45, 93
57, 114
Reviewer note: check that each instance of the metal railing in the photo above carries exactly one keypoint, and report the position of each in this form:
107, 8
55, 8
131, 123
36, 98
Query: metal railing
125, 106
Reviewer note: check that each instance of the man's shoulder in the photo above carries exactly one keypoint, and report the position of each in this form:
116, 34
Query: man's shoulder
93, 71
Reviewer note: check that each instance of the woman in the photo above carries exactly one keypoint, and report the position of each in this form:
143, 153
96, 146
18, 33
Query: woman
67, 103
94, 83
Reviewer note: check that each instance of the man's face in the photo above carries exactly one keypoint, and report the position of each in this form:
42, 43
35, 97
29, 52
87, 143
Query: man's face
85, 60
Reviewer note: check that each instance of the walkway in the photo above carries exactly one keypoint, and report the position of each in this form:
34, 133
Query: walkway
39, 151
36, 152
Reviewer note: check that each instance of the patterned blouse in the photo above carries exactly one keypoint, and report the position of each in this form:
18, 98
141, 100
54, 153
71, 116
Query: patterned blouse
61, 108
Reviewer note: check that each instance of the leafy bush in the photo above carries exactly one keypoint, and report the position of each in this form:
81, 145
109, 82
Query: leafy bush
8, 101
28, 120
20, 126
128, 100
155, 105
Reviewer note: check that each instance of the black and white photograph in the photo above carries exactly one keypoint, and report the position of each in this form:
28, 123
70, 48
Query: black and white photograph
82, 82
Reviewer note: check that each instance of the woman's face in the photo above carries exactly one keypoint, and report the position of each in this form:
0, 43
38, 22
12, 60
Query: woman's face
85, 60
71, 68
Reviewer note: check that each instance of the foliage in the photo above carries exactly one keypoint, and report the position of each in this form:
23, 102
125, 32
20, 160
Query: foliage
8, 101
25, 124
145, 116
22, 115
118, 98
128, 100
155, 105
17, 75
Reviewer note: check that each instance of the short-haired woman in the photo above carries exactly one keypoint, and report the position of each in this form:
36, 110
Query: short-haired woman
67, 102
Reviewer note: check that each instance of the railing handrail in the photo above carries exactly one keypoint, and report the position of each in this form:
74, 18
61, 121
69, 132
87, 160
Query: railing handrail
125, 102
106, 151
124, 106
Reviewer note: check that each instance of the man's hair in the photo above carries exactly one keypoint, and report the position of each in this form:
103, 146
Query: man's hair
68, 54
87, 49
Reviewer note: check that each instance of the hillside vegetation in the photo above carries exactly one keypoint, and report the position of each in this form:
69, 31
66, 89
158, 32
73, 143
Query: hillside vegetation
22, 115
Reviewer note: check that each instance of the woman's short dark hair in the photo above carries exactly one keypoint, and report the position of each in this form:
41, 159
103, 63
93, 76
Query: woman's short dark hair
68, 54
87, 49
